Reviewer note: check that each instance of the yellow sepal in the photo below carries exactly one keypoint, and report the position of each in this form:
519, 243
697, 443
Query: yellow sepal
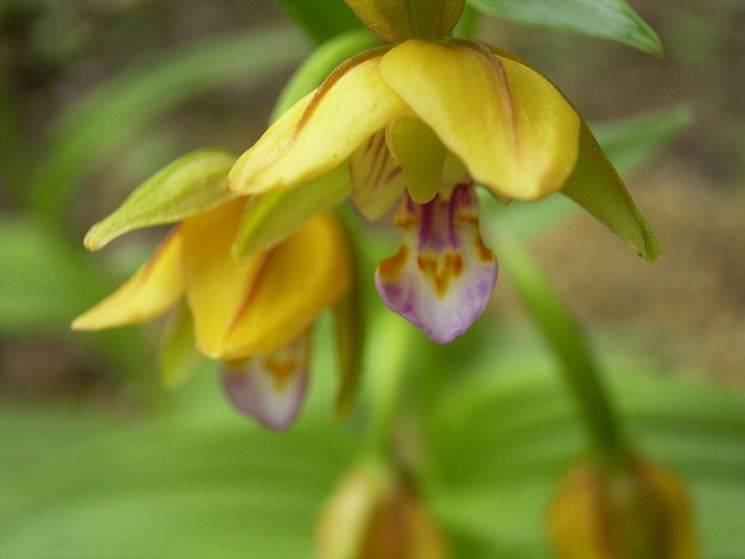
321, 131
156, 286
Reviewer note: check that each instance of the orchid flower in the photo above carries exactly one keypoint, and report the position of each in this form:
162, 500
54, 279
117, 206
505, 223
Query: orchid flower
254, 315
417, 125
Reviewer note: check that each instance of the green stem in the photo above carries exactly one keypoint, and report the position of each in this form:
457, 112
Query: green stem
563, 334
391, 347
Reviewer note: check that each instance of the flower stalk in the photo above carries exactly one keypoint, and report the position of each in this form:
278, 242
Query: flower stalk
563, 334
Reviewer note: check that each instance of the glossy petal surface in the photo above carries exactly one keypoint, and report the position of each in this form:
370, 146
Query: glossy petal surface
509, 125
216, 284
321, 132
270, 388
298, 279
155, 287
443, 275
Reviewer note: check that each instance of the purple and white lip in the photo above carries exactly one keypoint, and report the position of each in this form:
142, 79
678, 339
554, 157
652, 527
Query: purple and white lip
442, 277
270, 388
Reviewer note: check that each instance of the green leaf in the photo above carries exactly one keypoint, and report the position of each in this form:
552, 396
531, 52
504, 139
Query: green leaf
115, 113
322, 20
607, 19
320, 64
192, 184
272, 217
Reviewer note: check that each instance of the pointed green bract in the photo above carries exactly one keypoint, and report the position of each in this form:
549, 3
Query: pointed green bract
178, 360
398, 20
271, 218
607, 19
596, 186
191, 185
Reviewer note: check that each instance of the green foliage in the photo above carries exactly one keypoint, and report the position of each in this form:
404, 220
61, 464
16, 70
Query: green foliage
192, 184
322, 20
92, 130
608, 19
503, 438
204, 483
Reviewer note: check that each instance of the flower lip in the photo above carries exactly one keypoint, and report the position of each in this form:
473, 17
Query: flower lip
442, 277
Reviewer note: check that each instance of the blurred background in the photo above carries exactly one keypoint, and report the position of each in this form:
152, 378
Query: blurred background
97, 460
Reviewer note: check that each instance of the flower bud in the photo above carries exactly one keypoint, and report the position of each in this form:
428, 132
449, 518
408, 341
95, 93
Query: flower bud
636, 512
398, 20
375, 515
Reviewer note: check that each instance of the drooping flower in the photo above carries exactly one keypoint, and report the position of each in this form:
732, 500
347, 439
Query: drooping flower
418, 125
255, 315
376, 514
618, 512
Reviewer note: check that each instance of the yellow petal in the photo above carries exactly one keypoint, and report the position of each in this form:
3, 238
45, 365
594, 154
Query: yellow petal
299, 278
155, 287
216, 284
319, 133
508, 124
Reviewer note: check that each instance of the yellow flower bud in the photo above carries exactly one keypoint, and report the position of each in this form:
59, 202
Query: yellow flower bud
375, 515
637, 512
398, 20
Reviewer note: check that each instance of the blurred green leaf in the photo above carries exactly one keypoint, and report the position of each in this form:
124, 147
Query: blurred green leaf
502, 440
93, 129
44, 283
633, 142
194, 183
607, 19
322, 20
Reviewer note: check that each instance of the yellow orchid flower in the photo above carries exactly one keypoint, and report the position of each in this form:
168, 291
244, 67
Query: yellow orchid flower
254, 315
418, 124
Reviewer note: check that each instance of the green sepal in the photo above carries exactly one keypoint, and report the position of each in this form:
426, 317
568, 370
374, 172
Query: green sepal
191, 185
178, 359
596, 186
270, 218
350, 323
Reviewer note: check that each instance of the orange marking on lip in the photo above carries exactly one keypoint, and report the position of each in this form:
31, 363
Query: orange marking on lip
282, 370
390, 269
406, 222
485, 254
441, 271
